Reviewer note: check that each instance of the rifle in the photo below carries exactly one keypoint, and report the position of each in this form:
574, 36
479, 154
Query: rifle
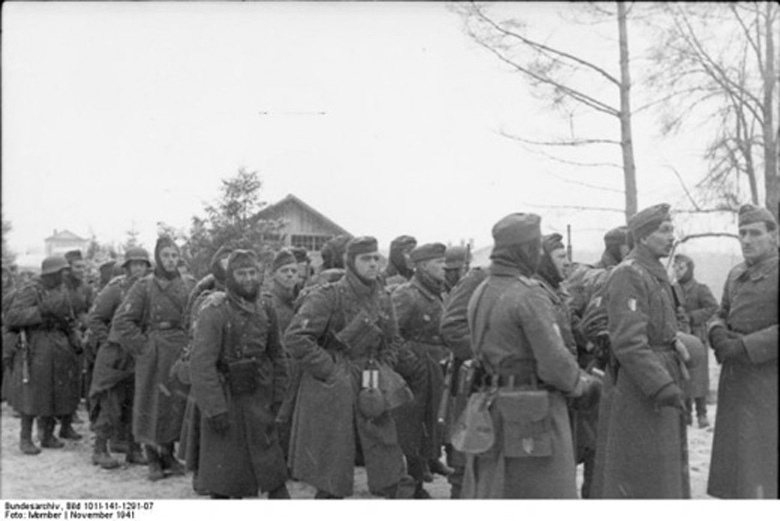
24, 348
441, 416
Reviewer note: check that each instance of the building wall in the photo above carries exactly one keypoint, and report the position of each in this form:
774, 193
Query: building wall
58, 247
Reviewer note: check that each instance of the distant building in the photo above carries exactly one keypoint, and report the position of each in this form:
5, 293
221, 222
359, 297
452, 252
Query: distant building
304, 226
62, 242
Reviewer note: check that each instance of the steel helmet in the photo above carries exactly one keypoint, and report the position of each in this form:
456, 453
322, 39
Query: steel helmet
136, 254
53, 264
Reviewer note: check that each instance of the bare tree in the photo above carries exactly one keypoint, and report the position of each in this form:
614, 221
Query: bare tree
573, 84
717, 63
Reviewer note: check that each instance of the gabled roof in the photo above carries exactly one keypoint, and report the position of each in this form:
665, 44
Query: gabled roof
65, 235
269, 211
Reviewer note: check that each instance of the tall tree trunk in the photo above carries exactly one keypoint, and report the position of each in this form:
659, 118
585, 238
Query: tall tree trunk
770, 138
626, 142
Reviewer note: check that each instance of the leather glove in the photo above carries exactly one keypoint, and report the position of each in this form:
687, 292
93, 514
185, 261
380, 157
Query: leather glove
670, 396
719, 335
732, 349
220, 423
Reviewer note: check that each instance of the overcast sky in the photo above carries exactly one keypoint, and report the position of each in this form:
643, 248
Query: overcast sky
382, 116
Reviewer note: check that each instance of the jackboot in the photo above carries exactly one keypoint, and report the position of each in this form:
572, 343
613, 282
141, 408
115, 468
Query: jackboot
155, 464
101, 456
66, 428
404, 489
26, 444
46, 433
279, 493
169, 461
134, 455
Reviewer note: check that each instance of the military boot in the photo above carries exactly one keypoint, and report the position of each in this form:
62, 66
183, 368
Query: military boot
66, 428
404, 489
46, 433
26, 444
134, 455
155, 464
169, 461
437, 467
101, 456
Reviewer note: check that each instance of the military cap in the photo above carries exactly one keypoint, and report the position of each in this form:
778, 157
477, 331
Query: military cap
552, 242
73, 255
164, 241
360, 245
749, 214
53, 264
403, 242
107, 266
282, 258
136, 254
301, 255
456, 257
648, 220
333, 251
242, 259
434, 250
517, 228
616, 236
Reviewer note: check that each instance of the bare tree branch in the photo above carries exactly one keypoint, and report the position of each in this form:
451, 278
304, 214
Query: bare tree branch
561, 143
685, 188
707, 234
571, 207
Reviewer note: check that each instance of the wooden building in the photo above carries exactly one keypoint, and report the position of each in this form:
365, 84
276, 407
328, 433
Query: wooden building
304, 226
62, 242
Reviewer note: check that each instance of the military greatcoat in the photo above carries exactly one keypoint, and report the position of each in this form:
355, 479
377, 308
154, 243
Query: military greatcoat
744, 450
418, 308
150, 324
248, 456
326, 421
512, 329
699, 305
642, 449
53, 386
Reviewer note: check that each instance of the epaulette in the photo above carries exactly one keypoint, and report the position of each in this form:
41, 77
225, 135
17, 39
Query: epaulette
116, 280
528, 281
215, 298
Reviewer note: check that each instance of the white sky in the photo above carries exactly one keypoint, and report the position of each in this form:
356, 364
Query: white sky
122, 114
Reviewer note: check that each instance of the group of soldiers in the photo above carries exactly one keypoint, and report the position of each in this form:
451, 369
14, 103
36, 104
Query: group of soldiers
512, 374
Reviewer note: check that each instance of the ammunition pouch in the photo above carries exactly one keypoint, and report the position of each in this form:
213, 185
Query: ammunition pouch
526, 423
241, 376
360, 336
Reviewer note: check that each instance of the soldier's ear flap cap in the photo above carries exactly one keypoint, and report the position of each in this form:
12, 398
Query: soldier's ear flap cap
361, 245
242, 259
517, 228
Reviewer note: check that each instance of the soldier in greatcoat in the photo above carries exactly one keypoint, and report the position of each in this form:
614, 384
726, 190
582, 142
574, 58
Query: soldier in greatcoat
150, 324
343, 330
514, 335
699, 305
456, 265
743, 335
642, 446
399, 268
112, 389
419, 306
46, 364
455, 332
239, 376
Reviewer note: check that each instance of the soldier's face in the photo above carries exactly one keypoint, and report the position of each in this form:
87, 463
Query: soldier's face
756, 241
248, 278
78, 268
434, 268
169, 257
680, 269
136, 268
561, 261
287, 275
367, 265
661, 241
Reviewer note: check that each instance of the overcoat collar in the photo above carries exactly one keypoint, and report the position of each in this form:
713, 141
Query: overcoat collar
642, 255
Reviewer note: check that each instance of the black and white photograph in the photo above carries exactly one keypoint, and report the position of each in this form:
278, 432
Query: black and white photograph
389, 250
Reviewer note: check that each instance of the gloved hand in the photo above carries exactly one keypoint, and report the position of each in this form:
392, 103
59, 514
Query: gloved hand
591, 393
732, 349
719, 335
220, 423
670, 396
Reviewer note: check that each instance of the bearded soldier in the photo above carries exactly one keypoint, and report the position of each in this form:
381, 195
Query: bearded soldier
112, 389
419, 306
343, 335
644, 449
239, 376
150, 324
743, 335
46, 365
